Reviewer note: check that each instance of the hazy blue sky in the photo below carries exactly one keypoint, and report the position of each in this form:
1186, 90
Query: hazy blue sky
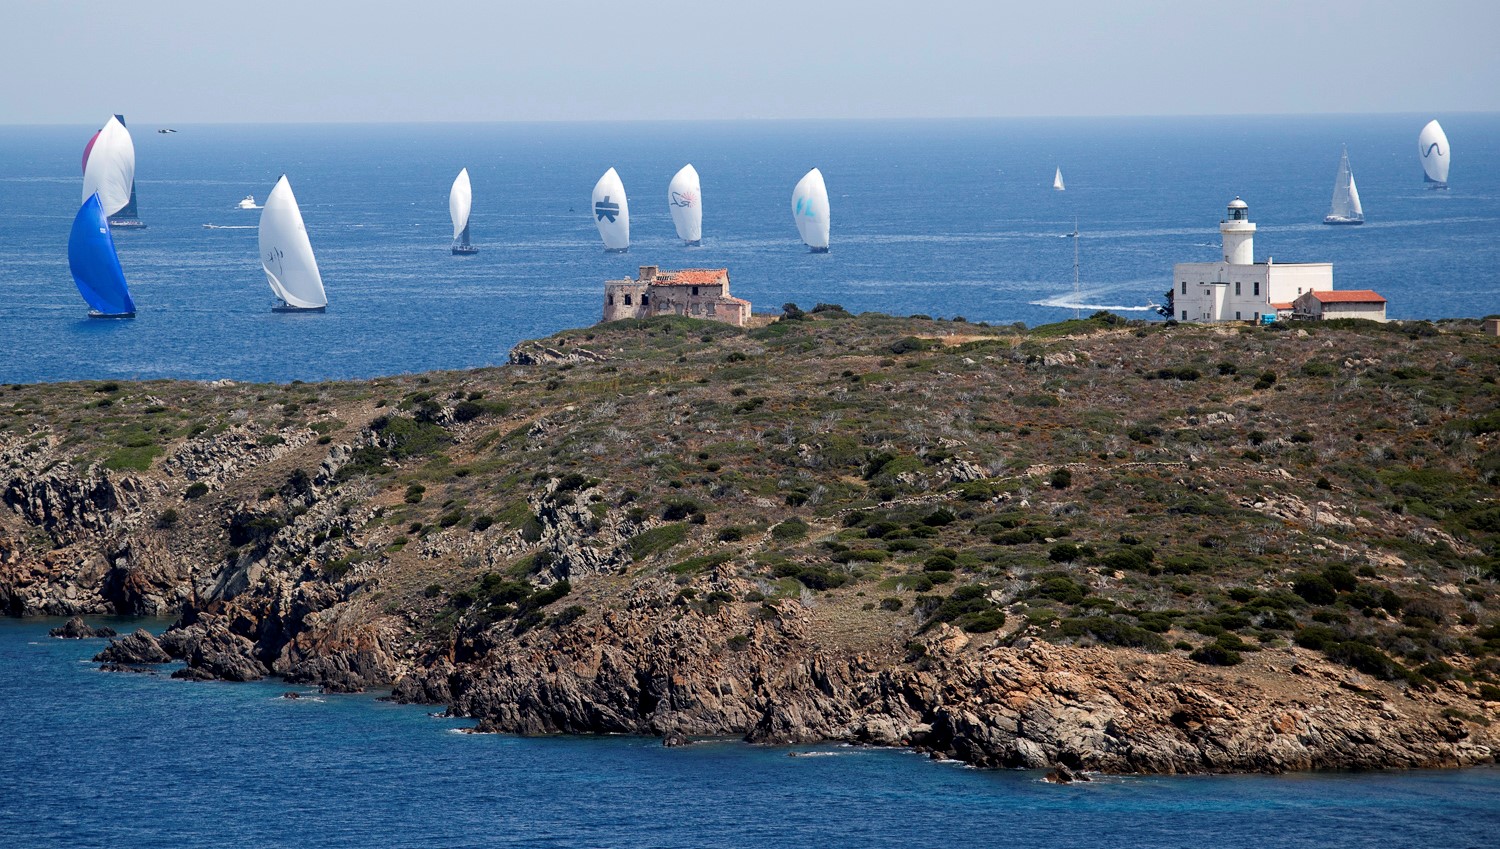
330, 60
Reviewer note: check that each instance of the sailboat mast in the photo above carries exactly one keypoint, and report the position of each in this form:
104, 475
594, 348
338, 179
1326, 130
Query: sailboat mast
1077, 286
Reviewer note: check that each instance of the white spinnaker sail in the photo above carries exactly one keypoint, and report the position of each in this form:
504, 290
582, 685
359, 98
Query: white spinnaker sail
285, 252
611, 212
685, 199
810, 209
1432, 144
460, 200
1057, 181
110, 170
1345, 196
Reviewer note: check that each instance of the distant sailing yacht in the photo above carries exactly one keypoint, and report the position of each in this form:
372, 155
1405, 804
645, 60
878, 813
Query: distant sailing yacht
96, 266
612, 212
460, 200
286, 254
1345, 208
685, 200
1057, 182
810, 211
1432, 143
109, 172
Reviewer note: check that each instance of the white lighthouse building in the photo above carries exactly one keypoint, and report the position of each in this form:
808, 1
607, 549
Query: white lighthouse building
1238, 288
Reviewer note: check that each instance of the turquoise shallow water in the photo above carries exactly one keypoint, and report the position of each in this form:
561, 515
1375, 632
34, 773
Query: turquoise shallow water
120, 760
938, 217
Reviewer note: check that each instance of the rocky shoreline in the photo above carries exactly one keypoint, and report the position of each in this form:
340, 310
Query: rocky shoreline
422, 533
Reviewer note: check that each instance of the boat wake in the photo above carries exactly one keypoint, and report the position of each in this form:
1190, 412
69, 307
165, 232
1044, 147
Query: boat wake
1062, 302
229, 227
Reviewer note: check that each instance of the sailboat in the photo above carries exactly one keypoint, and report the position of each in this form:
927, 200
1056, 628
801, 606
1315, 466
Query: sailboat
1432, 143
1057, 182
1345, 208
460, 200
685, 199
286, 254
612, 213
109, 172
95, 265
810, 211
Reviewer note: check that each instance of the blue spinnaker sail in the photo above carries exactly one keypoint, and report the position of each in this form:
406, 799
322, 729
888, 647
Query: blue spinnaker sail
95, 265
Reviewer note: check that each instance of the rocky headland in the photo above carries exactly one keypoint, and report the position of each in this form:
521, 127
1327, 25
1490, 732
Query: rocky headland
1102, 545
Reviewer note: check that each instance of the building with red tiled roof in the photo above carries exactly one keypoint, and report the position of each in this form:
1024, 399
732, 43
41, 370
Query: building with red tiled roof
692, 292
1349, 303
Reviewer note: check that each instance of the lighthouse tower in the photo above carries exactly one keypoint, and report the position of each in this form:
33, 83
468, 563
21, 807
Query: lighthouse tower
1239, 234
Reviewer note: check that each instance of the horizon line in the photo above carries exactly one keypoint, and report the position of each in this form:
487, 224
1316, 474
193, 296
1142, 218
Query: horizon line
762, 119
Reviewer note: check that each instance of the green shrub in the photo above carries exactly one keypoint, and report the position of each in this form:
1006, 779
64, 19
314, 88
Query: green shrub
133, 458
167, 518
1216, 654
892, 604
1061, 478
791, 529
1314, 589
658, 539
196, 489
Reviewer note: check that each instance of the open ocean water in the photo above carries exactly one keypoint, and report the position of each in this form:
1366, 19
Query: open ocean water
121, 760
945, 218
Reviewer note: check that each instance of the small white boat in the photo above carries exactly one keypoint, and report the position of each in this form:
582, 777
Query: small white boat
1057, 181
1345, 208
109, 172
1432, 144
612, 212
460, 201
286, 254
685, 200
248, 202
810, 211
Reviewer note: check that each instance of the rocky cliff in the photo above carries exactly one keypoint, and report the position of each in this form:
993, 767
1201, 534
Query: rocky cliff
1112, 547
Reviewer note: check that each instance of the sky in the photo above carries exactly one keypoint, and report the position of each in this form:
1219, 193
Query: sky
274, 61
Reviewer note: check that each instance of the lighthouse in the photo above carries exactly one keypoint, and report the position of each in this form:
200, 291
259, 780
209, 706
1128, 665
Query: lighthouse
1236, 287
1239, 234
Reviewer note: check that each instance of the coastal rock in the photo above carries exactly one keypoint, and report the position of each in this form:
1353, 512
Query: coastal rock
139, 647
222, 655
77, 629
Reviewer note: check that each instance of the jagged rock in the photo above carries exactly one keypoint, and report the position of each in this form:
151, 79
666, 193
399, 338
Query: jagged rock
535, 354
76, 629
290, 694
139, 647
673, 739
1060, 774
220, 654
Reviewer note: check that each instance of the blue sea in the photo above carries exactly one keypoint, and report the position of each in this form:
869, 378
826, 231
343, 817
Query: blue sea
119, 760
944, 218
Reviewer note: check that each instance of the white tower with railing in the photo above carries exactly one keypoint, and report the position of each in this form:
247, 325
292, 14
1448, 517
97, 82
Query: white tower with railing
1239, 234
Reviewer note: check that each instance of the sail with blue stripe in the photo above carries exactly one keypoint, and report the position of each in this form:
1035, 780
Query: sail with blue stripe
95, 265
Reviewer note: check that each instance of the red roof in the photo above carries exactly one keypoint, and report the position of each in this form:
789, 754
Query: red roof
1348, 296
693, 277
1283, 305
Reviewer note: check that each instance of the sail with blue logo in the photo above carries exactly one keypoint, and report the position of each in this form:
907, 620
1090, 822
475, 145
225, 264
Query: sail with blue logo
96, 266
810, 211
612, 212
1432, 144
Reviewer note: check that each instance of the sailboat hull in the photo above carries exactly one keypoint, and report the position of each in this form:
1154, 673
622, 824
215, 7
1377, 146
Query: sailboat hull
126, 224
464, 250
695, 243
617, 250
97, 314
290, 308
1334, 219
817, 250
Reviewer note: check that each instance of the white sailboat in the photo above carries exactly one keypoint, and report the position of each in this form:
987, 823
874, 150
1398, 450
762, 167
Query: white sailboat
810, 211
1057, 181
685, 199
1345, 208
460, 201
612, 212
287, 256
109, 172
1432, 144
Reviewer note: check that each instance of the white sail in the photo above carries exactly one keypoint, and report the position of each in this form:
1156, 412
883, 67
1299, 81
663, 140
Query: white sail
460, 200
1345, 208
685, 199
1432, 144
110, 167
1057, 182
286, 254
611, 212
810, 210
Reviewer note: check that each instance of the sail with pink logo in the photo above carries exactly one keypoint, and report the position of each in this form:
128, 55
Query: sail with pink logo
685, 199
